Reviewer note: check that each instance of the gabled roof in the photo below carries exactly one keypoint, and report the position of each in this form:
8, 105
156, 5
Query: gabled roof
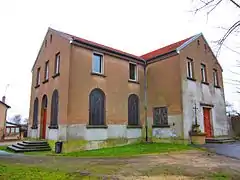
5, 104
91, 43
165, 50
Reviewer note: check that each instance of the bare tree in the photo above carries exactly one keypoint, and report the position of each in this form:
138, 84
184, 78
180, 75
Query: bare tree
209, 6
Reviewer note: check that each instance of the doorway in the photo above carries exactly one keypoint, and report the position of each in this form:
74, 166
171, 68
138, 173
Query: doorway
43, 117
207, 122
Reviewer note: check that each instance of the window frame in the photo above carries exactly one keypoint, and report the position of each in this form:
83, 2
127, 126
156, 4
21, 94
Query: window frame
203, 73
136, 72
190, 69
101, 63
161, 123
57, 64
46, 71
215, 81
38, 77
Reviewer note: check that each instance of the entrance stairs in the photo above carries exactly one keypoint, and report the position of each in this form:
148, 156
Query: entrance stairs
220, 140
29, 146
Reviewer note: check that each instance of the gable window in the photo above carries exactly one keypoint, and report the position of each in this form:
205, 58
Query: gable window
215, 77
97, 63
38, 77
160, 116
35, 114
97, 107
57, 64
132, 71
46, 73
203, 73
54, 110
51, 38
190, 68
133, 110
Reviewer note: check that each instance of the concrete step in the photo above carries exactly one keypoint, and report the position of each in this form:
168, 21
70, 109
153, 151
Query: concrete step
30, 147
15, 149
220, 140
35, 142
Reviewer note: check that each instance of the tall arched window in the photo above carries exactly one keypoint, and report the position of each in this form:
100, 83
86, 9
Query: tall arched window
54, 110
133, 110
97, 107
35, 114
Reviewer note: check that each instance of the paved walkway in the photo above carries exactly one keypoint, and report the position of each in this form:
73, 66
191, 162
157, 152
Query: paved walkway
227, 149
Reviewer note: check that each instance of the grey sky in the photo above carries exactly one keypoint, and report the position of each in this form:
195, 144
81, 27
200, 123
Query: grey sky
134, 26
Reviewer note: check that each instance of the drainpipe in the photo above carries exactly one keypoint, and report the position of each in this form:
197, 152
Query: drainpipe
145, 99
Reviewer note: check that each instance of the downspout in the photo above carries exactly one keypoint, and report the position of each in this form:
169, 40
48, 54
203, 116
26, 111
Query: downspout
145, 100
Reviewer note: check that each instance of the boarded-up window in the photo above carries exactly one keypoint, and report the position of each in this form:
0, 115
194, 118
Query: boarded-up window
35, 113
160, 116
54, 109
97, 107
133, 110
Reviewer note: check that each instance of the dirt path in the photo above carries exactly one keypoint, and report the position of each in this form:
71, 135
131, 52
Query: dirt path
184, 165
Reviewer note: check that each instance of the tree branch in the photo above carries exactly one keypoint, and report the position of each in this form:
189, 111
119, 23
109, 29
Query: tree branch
235, 3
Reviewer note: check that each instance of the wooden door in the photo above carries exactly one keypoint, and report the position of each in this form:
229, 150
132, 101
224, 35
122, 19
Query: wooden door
44, 121
207, 122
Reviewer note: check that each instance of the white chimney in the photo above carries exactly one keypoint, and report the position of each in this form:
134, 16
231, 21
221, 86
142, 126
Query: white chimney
3, 99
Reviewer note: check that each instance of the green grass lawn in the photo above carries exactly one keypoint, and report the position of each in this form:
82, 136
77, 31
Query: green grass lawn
131, 150
120, 151
17, 172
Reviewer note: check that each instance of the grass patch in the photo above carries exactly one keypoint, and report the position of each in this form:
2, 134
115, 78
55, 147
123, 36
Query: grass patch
15, 172
131, 150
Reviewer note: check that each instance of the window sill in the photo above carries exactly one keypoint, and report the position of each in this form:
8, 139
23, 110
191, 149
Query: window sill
192, 79
133, 81
56, 75
216, 86
205, 83
45, 81
134, 126
161, 126
53, 127
96, 126
34, 127
97, 74
38, 85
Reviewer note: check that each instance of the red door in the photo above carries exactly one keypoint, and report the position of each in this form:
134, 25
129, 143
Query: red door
207, 122
44, 121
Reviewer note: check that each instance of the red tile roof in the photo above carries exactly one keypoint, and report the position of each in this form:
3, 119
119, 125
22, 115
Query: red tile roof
164, 50
99, 45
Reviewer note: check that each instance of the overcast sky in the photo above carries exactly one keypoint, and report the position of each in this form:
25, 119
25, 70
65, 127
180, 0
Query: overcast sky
134, 26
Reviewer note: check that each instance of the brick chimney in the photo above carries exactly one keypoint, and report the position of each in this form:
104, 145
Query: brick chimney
3, 99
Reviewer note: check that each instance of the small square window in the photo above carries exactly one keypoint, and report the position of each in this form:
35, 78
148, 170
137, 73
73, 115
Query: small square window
57, 64
132, 71
97, 63
203, 73
38, 77
46, 73
190, 68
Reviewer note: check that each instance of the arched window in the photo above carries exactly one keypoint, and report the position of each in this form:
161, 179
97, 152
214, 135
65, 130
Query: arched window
97, 107
44, 102
133, 110
54, 110
35, 114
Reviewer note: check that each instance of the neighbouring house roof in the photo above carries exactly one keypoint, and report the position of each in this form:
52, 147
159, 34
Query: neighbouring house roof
164, 50
5, 104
